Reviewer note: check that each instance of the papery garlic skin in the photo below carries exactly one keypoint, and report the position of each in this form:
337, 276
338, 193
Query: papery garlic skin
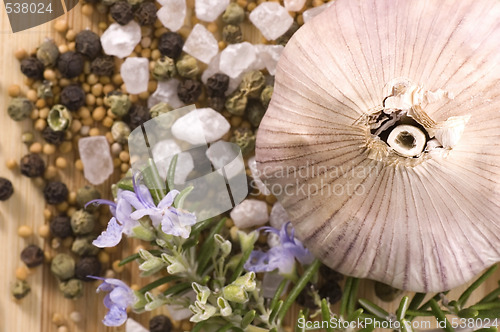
427, 222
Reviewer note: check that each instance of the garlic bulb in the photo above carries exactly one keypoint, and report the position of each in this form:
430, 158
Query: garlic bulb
382, 139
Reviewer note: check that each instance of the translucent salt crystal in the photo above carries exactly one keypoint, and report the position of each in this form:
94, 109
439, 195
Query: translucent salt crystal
209, 10
278, 216
164, 151
96, 158
135, 74
201, 44
166, 92
271, 19
249, 213
252, 165
270, 284
294, 5
203, 125
132, 326
269, 54
172, 14
120, 40
223, 155
312, 12
236, 59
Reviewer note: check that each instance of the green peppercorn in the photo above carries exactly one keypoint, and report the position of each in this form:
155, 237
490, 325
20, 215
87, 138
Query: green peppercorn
266, 94
71, 289
44, 90
232, 34
255, 112
164, 68
20, 289
237, 102
118, 102
120, 132
59, 118
47, 53
159, 109
234, 14
135, 2
245, 139
86, 194
82, 246
63, 266
253, 82
82, 222
187, 66
19, 108
385, 292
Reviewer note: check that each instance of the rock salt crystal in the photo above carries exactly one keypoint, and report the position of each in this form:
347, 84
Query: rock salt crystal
294, 5
96, 158
120, 40
166, 92
201, 44
132, 326
209, 10
203, 125
278, 216
135, 74
164, 151
236, 59
249, 213
224, 155
213, 68
271, 19
172, 14
312, 12
269, 55
252, 165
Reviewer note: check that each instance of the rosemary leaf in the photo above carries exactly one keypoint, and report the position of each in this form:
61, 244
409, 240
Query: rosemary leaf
275, 310
299, 286
467, 293
351, 301
207, 248
345, 296
177, 289
297, 327
440, 316
374, 309
403, 306
171, 172
325, 314
133, 257
277, 295
157, 283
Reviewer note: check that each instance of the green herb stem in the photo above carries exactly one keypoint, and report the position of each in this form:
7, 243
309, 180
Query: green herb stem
325, 314
157, 283
440, 316
467, 293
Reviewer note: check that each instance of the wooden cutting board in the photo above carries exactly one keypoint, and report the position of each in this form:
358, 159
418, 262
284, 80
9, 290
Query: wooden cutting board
35, 312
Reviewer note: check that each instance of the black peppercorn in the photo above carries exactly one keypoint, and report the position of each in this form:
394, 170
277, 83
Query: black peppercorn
136, 116
103, 65
146, 13
32, 255
32, 165
32, 68
70, 64
217, 85
160, 323
73, 97
189, 91
329, 274
332, 291
6, 189
217, 103
87, 266
60, 226
88, 43
170, 44
55, 192
121, 12
306, 297
53, 137
385, 292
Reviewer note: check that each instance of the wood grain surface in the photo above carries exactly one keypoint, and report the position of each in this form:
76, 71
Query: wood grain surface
26, 206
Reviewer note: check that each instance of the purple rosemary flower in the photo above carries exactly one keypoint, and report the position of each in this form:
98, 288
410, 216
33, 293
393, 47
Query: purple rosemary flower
119, 298
172, 221
121, 223
281, 257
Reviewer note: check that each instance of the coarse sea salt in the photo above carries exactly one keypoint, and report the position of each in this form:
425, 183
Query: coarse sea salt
203, 125
120, 40
172, 14
166, 91
236, 59
249, 213
135, 74
201, 44
96, 158
209, 10
271, 19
